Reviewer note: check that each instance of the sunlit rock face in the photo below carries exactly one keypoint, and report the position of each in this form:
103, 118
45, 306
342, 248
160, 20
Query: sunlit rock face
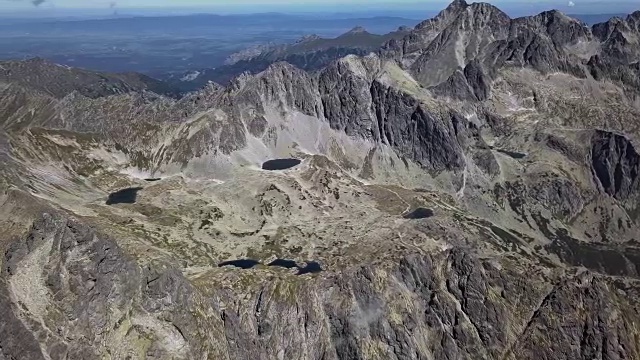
469, 190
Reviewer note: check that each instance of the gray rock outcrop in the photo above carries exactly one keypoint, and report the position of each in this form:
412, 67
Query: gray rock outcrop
96, 299
615, 165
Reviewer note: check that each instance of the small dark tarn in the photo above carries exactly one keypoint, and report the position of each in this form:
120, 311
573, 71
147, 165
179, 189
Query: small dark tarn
152, 179
242, 263
419, 213
124, 196
311, 268
289, 264
280, 164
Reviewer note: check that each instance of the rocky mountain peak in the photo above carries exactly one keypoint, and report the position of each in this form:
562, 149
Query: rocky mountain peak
620, 42
482, 8
30, 66
455, 6
59, 80
444, 17
38, 60
604, 30
477, 16
554, 16
308, 38
467, 17
356, 30
563, 29
281, 67
634, 20
555, 24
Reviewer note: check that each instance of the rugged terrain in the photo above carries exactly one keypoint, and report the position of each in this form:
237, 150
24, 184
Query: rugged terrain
470, 190
310, 53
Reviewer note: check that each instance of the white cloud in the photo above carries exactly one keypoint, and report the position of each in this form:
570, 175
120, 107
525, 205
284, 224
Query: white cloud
571, 3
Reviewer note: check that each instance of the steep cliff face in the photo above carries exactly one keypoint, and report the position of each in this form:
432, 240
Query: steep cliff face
465, 38
346, 95
95, 300
615, 165
351, 91
81, 296
620, 40
436, 143
482, 35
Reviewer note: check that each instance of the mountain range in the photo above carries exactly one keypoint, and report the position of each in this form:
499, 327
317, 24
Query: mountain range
469, 189
310, 53
165, 46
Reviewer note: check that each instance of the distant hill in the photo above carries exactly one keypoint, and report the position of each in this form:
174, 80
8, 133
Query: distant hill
592, 19
309, 53
160, 46
59, 80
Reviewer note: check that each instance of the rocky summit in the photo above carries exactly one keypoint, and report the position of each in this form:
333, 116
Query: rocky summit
469, 190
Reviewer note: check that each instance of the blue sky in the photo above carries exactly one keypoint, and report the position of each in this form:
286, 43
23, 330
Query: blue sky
575, 6
188, 3
24, 4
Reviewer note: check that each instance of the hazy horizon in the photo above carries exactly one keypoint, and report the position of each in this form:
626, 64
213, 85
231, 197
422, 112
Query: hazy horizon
406, 8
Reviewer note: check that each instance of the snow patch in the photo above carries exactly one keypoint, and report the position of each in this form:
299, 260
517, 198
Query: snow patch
355, 65
461, 47
137, 173
513, 104
113, 158
190, 76
167, 335
64, 66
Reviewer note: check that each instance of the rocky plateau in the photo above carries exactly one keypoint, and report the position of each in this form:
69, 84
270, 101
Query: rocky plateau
469, 190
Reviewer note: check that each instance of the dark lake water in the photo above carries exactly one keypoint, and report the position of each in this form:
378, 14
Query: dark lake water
288, 264
124, 196
241, 263
311, 267
280, 164
152, 179
419, 213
